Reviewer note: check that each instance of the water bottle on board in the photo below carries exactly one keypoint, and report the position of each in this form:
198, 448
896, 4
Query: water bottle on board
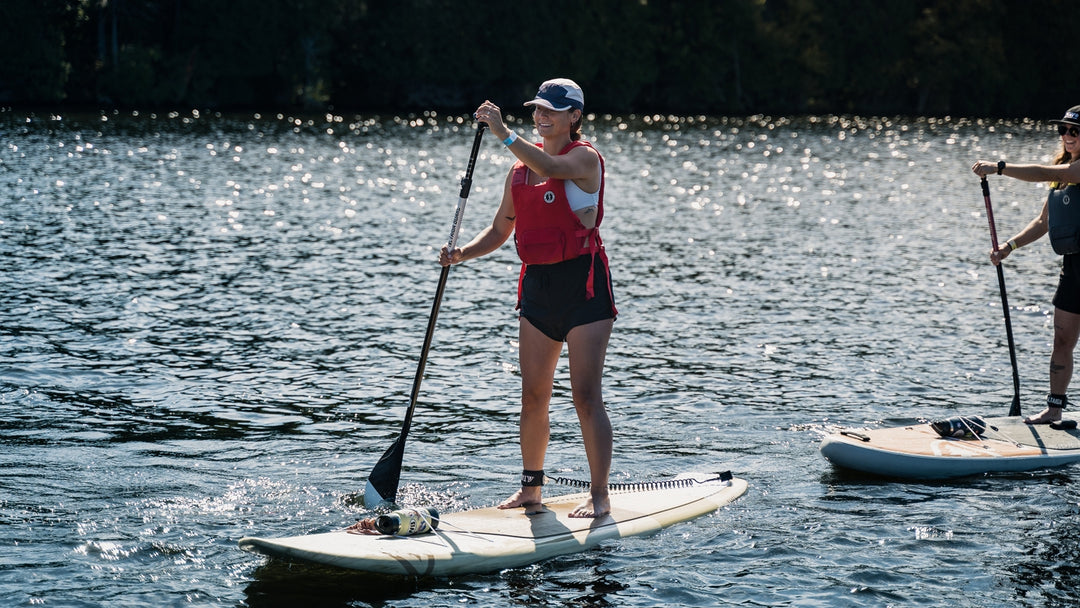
960, 427
407, 522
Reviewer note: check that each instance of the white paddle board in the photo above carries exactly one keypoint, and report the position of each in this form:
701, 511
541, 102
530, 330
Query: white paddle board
490, 539
919, 452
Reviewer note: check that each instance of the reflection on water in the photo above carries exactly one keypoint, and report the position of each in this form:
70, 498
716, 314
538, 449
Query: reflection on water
210, 326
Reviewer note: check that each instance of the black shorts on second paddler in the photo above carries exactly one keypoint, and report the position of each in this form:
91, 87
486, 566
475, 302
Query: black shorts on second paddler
1067, 296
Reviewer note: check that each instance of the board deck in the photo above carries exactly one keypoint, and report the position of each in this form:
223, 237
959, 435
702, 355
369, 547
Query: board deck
490, 539
918, 452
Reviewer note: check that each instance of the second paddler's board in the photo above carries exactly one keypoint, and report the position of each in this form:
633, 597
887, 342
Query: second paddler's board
919, 452
490, 539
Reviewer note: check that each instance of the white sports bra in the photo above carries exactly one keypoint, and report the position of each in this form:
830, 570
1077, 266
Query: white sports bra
578, 198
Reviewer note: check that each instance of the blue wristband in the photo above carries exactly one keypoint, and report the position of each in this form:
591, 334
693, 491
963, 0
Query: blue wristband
510, 139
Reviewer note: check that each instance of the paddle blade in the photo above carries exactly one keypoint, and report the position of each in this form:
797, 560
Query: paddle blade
382, 483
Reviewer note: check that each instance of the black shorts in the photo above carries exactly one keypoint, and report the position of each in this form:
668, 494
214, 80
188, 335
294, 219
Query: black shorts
1067, 296
553, 296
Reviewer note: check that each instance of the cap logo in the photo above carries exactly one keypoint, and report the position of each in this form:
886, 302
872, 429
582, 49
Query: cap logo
1072, 115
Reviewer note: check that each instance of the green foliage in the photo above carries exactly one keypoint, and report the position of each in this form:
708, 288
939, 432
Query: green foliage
34, 67
981, 57
137, 78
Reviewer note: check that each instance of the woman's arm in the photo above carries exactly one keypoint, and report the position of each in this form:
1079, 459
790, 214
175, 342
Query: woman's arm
1069, 173
490, 238
1034, 230
1031, 233
580, 164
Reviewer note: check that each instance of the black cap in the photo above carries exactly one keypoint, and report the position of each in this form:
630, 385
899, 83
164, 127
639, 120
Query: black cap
1072, 117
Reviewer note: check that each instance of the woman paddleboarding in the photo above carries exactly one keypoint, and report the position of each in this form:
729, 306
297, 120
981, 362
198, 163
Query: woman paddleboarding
553, 202
1061, 220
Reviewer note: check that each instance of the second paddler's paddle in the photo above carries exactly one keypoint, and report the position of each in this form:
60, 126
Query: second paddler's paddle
1015, 409
382, 483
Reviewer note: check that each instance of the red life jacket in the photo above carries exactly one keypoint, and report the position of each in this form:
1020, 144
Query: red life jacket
546, 230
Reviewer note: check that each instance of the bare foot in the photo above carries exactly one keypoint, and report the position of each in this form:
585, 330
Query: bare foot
594, 506
524, 497
1050, 414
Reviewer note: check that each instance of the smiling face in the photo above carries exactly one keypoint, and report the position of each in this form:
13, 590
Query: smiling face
1070, 140
551, 123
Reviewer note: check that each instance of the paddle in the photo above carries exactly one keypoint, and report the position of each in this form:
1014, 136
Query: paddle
382, 483
1015, 409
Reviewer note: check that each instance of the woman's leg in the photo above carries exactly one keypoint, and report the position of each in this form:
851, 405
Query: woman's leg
587, 346
1066, 332
537, 355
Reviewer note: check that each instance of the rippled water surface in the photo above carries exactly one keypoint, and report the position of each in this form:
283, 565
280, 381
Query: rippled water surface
210, 325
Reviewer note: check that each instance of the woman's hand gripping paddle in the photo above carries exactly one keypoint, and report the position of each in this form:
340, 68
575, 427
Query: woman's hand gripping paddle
382, 483
1015, 409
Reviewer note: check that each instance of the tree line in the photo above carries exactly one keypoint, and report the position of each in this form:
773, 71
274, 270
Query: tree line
716, 57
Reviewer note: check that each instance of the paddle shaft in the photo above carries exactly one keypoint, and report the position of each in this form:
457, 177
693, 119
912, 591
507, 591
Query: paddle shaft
1014, 410
451, 242
386, 474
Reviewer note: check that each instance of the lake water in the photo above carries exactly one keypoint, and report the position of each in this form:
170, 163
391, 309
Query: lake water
209, 327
